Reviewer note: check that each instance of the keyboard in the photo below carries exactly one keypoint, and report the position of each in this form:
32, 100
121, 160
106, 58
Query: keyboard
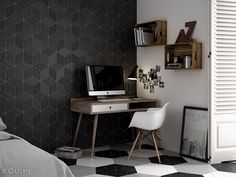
117, 99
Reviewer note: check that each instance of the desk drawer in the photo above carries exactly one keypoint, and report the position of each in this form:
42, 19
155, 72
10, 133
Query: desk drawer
109, 107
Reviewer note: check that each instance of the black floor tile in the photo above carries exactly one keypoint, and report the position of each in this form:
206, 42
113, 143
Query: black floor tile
111, 153
69, 161
226, 167
116, 170
168, 160
182, 175
150, 147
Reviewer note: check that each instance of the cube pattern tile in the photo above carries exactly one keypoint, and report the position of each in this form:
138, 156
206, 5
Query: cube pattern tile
44, 47
108, 165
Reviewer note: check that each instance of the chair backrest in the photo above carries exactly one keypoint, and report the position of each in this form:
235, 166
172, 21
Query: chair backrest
152, 119
159, 117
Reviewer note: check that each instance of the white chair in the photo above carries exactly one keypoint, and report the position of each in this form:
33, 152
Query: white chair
151, 120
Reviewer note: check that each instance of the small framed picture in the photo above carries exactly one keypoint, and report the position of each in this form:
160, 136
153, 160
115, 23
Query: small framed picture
158, 68
140, 73
161, 84
145, 79
194, 136
151, 88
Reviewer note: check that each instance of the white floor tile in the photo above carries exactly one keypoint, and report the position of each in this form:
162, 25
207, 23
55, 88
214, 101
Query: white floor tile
192, 161
80, 171
95, 162
144, 153
155, 169
140, 175
220, 174
135, 161
125, 147
96, 175
199, 169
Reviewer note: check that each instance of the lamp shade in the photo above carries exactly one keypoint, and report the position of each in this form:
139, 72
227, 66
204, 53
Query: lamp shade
133, 74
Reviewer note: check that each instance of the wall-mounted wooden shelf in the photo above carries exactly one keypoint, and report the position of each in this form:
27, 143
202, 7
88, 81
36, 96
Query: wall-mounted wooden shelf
185, 56
159, 28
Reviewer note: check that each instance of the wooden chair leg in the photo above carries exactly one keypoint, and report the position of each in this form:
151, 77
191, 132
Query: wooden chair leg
160, 140
155, 144
131, 151
140, 140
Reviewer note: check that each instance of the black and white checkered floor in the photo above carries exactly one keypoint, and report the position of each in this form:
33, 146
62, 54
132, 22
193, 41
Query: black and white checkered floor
112, 161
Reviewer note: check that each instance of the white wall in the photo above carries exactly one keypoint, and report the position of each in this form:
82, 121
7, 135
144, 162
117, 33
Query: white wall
181, 87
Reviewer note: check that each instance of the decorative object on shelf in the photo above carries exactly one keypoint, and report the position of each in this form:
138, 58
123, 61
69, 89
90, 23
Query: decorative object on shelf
185, 53
150, 33
151, 79
183, 56
182, 37
194, 133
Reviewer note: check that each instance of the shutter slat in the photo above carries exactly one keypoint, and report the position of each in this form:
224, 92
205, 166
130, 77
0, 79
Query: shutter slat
224, 80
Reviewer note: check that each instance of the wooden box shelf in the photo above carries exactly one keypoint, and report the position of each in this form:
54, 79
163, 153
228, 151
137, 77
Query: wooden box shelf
160, 30
176, 56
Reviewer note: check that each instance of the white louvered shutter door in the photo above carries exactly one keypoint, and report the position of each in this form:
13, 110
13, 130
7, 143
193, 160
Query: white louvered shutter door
223, 81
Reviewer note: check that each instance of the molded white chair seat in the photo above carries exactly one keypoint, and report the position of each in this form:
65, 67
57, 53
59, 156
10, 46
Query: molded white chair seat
151, 120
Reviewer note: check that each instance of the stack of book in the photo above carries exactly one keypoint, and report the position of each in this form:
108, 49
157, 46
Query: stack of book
68, 152
144, 36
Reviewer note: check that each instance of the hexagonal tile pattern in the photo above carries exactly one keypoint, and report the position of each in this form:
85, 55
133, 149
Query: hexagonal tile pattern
44, 46
121, 166
168, 160
111, 153
115, 170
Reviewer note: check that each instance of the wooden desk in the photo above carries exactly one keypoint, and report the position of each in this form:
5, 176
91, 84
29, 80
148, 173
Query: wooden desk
93, 107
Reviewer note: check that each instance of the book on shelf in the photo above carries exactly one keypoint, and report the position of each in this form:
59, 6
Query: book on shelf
144, 36
175, 65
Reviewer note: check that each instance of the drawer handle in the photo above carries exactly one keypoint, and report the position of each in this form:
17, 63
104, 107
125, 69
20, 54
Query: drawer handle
109, 107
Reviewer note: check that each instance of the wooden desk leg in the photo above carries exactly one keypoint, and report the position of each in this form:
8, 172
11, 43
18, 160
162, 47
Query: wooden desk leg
77, 129
95, 123
133, 129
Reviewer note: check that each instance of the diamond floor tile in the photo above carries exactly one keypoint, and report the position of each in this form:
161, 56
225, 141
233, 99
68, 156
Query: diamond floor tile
116, 170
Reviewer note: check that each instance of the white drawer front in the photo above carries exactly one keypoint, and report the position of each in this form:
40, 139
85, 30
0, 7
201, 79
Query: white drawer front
109, 107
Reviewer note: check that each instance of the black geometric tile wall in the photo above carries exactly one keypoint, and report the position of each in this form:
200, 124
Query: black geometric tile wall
44, 47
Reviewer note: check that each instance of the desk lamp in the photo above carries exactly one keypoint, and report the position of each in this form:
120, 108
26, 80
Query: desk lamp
133, 77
